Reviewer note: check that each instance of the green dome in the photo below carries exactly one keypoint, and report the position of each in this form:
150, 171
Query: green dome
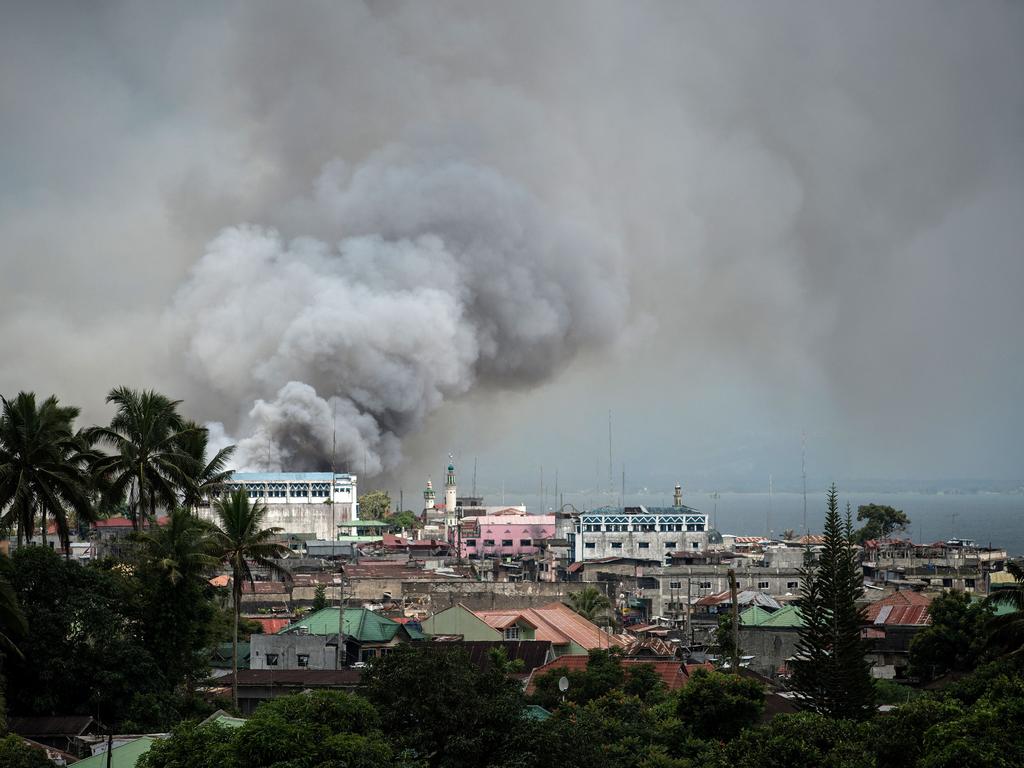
451, 467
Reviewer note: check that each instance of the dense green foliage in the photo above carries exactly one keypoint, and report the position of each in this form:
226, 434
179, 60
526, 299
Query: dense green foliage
831, 674
955, 639
429, 706
882, 521
444, 710
102, 639
15, 753
719, 706
590, 603
375, 505
317, 730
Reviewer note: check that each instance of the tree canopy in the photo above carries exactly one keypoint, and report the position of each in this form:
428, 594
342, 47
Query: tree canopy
882, 521
831, 674
375, 505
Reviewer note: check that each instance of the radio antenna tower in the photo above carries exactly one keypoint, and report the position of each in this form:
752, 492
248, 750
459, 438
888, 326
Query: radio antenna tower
803, 473
611, 477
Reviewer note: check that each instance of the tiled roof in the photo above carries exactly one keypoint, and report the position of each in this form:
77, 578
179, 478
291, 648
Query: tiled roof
672, 673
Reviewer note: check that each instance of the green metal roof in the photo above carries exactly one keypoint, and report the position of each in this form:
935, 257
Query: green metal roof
221, 657
360, 624
787, 616
124, 756
535, 712
364, 524
753, 616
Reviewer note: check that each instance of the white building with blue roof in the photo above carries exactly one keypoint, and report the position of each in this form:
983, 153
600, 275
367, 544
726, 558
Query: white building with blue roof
640, 532
306, 502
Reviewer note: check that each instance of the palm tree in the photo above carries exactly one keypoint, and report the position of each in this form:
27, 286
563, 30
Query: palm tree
148, 465
42, 466
590, 603
1007, 631
208, 476
240, 538
182, 550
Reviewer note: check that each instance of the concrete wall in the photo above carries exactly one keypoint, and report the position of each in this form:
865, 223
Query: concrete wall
769, 646
300, 518
288, 647
477, 595
669, 599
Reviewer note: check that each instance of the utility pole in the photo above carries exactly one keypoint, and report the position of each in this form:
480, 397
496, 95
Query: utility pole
689, 628
735, 623
340, 583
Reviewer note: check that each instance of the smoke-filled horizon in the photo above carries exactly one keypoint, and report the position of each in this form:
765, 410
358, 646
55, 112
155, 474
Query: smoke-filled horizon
368, 235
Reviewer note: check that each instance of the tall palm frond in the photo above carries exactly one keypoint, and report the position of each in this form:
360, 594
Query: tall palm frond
147, 466
1006, 632
208, 476
590, 603
42, 466
183, 549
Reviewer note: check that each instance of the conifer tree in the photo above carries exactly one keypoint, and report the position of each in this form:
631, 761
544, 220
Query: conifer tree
831, 674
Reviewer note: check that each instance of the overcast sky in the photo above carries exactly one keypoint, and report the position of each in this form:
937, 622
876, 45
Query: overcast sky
410, 229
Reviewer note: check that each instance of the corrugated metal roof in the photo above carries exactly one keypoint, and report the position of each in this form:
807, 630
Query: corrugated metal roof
125, 756
559, 624
360, 624
672, 673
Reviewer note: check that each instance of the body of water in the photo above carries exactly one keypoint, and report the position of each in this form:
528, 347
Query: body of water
984, 517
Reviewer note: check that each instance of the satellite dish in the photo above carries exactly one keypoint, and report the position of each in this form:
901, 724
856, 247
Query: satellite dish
563, 684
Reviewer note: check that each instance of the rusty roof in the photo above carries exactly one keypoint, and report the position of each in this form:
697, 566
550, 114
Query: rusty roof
900, 608
558, 623
673, 674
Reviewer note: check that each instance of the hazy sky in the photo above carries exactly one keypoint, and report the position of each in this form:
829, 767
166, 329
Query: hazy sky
478, 227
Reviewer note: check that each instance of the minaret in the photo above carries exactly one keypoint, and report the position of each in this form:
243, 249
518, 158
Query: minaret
429, 499
677, 497
450, 494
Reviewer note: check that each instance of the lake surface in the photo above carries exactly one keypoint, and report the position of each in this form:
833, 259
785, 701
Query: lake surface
986, 517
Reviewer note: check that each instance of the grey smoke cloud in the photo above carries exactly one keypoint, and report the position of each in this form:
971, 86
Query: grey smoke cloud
451, 277
728, 221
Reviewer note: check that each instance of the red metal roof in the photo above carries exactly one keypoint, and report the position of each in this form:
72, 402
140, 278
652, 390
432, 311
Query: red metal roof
672, 673
903, 607
123, 522
270, 626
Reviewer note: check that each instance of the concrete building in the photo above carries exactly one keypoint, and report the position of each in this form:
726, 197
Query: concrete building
637, 532
504, 535
306, 502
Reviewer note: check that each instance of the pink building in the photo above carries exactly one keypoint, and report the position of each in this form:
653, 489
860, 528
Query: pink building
504, 535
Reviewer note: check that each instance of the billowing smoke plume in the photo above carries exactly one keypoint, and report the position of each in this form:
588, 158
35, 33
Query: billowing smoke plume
447, 277
291, 215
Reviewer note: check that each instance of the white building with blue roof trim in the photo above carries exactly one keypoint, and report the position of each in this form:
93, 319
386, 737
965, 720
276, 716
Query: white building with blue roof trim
300, 502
